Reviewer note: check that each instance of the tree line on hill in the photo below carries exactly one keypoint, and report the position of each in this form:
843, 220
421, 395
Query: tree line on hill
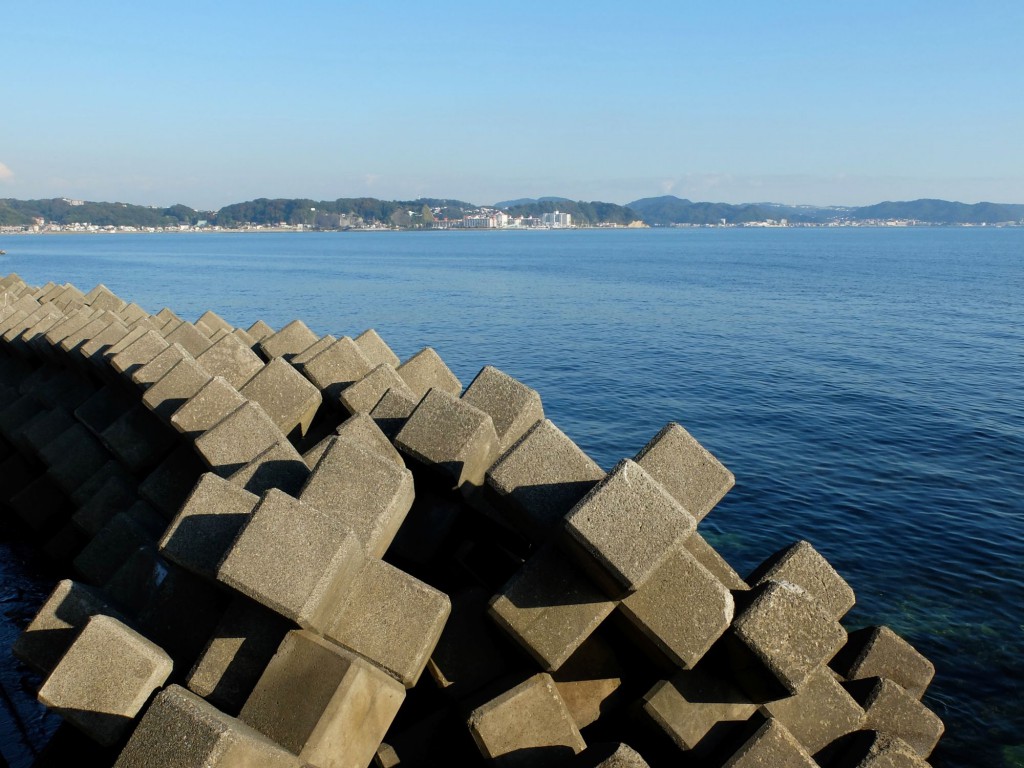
422, 212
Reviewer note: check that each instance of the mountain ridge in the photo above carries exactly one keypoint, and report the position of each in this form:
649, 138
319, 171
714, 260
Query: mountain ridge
665, 210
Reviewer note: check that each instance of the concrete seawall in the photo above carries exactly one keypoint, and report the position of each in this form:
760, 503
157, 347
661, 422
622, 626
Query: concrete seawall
282, 548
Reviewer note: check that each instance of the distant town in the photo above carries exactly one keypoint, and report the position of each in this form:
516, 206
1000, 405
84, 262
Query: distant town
67, 215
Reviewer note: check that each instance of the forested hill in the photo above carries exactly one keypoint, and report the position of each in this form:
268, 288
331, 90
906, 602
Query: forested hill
357, 211
668, 210
583, 214
62, 211
942, 212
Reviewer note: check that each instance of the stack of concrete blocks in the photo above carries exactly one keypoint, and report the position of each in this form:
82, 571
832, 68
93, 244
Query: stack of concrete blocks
272, 535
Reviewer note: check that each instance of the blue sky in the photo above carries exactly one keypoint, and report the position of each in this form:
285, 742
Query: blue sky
794, 102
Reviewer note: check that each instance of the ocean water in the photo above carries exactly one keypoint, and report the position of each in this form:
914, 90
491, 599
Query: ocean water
863, 385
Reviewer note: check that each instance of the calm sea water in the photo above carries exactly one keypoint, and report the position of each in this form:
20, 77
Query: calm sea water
864, 386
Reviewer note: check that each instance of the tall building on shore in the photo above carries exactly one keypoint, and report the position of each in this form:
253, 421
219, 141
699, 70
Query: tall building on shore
557, 220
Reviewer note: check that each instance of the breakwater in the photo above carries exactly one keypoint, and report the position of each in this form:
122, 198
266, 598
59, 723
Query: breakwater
224, 498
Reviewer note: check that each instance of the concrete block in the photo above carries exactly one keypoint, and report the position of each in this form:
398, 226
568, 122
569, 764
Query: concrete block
109, 351
65, 390
707, 556
426, 370
95, 326
104, 408
210, 321
470, 653
390, 618
891, 710
207, 524
132, 312
41, 505
362, 429
105, 679
175, 388
450, 437
190, 337
57, 624
690, 707
364, 490
540, 479
325, 705
238, 439
87, 490
626, 527
164, 327
528, 725
180, 729
788, 631
206, 408
165, 314
117, 540
43, 429
512, 406
880, 652
102, 297
260, 330
336, 367
287, 397
138, 440
99, 343
821, 713
246, 638
288, 342
299, 360
72, 321
16, 414
801, 564
167, 486
116, 495
690, 474
294, 559
590, 682
245, 338
550, 607
392, 411
231, 359
363, 395
150, 373
73, 457
138, 353
682, 609
280, 466
771, 745
871, 749
376, 349
179, 610
614, 755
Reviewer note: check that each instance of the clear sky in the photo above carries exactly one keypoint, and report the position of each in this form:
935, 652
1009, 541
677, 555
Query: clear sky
793, 102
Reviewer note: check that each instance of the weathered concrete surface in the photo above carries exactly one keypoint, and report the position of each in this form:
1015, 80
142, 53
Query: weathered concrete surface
280, 466
426, 370
288, 398
293, 559
363, 395
801, 564
789, 631
105, 678
695, 478
682, 609
375, 349
528, 725
772, 746
541, 478
512, 406
336, 367
626, 528
239, 438
822, 712
206, 408
207, 524
180, 729
322, 703
880, 652
550, 608
390, 618
451, 437
890, 709
364, 490
288, 342
230, 358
